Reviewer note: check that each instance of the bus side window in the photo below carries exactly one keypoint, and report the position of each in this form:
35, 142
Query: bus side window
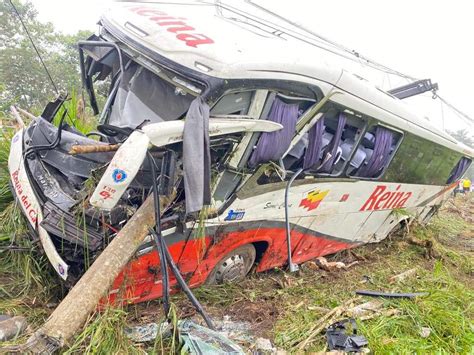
326, 149
374, 153
459, 169
285, 110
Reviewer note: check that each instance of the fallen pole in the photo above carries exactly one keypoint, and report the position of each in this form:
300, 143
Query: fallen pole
26, 113
17, 117
82, 299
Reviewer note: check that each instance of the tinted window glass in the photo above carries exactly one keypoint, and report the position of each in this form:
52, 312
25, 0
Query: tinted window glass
419, 161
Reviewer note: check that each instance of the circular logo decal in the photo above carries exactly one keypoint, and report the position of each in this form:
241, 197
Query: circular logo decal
119, 175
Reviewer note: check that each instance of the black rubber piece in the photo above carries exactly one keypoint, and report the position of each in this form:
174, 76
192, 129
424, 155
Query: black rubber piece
390, 295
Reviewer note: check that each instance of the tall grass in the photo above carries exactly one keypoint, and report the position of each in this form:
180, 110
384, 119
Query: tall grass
26, 276
77, 116
5, 193
104, 334
447, 312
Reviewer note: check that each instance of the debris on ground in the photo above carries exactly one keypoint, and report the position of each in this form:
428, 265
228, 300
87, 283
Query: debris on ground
369, 310
324, 321
403, 276
425, 332
365, 309
427, 244
196, 339
389, 295
342, 335
147, 332
11, 327
264, 345
239, 331
323, 264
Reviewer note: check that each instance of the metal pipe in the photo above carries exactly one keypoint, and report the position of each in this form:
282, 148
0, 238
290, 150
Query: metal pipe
293, 267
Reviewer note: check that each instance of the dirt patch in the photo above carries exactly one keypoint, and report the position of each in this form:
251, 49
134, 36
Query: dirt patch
262, 315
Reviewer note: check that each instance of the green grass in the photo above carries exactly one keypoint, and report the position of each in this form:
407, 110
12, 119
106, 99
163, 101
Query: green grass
447, 311
104, 334
83, 122
5, 193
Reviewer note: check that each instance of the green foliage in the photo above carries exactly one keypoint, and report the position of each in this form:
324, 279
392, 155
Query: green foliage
23, 79
463, 136
5, 193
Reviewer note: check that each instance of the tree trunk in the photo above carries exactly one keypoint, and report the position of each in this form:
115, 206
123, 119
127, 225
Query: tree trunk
82, 299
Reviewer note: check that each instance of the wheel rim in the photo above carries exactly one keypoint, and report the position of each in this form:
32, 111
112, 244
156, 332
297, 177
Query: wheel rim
231, 269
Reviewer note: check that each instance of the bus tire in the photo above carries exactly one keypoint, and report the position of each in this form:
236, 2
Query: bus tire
234, 266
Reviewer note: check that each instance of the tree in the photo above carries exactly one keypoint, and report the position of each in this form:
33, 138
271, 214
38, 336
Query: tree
464, 136
23, 79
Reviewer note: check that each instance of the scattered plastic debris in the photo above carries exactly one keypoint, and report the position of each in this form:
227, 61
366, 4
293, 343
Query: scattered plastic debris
147, 332
196, 339
342, 335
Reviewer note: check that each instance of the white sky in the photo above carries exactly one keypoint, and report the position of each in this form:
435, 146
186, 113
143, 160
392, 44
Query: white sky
422, 38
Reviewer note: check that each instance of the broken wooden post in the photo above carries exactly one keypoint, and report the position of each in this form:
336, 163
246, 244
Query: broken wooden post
82, 299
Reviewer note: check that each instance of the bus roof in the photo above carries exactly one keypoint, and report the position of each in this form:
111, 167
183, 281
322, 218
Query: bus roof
224, 42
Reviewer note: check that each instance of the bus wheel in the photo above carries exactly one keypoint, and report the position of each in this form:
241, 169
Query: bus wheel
234, 266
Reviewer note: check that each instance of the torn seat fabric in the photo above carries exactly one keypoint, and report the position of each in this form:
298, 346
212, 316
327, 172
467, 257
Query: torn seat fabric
197, 156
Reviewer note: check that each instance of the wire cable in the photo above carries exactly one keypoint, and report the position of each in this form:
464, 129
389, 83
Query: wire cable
456, 110
34, 46
157, 236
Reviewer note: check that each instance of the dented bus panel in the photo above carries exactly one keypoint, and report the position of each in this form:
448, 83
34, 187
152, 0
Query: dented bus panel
365, 156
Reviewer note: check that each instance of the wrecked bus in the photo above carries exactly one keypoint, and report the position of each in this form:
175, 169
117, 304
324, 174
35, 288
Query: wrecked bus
279, 110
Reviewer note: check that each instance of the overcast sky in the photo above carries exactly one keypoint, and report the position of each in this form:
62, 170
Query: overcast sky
422, 38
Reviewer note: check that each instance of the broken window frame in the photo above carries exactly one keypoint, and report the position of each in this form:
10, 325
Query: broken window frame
263, 95
178, 79
312, 121
87, 81
373, 124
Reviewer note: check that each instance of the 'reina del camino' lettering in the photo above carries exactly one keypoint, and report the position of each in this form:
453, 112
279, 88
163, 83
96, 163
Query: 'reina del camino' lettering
382, 199
174, 25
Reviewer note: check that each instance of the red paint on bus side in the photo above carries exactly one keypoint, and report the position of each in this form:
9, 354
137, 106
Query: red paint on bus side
141, 279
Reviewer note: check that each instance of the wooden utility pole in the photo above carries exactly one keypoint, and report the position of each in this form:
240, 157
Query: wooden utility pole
82, 299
